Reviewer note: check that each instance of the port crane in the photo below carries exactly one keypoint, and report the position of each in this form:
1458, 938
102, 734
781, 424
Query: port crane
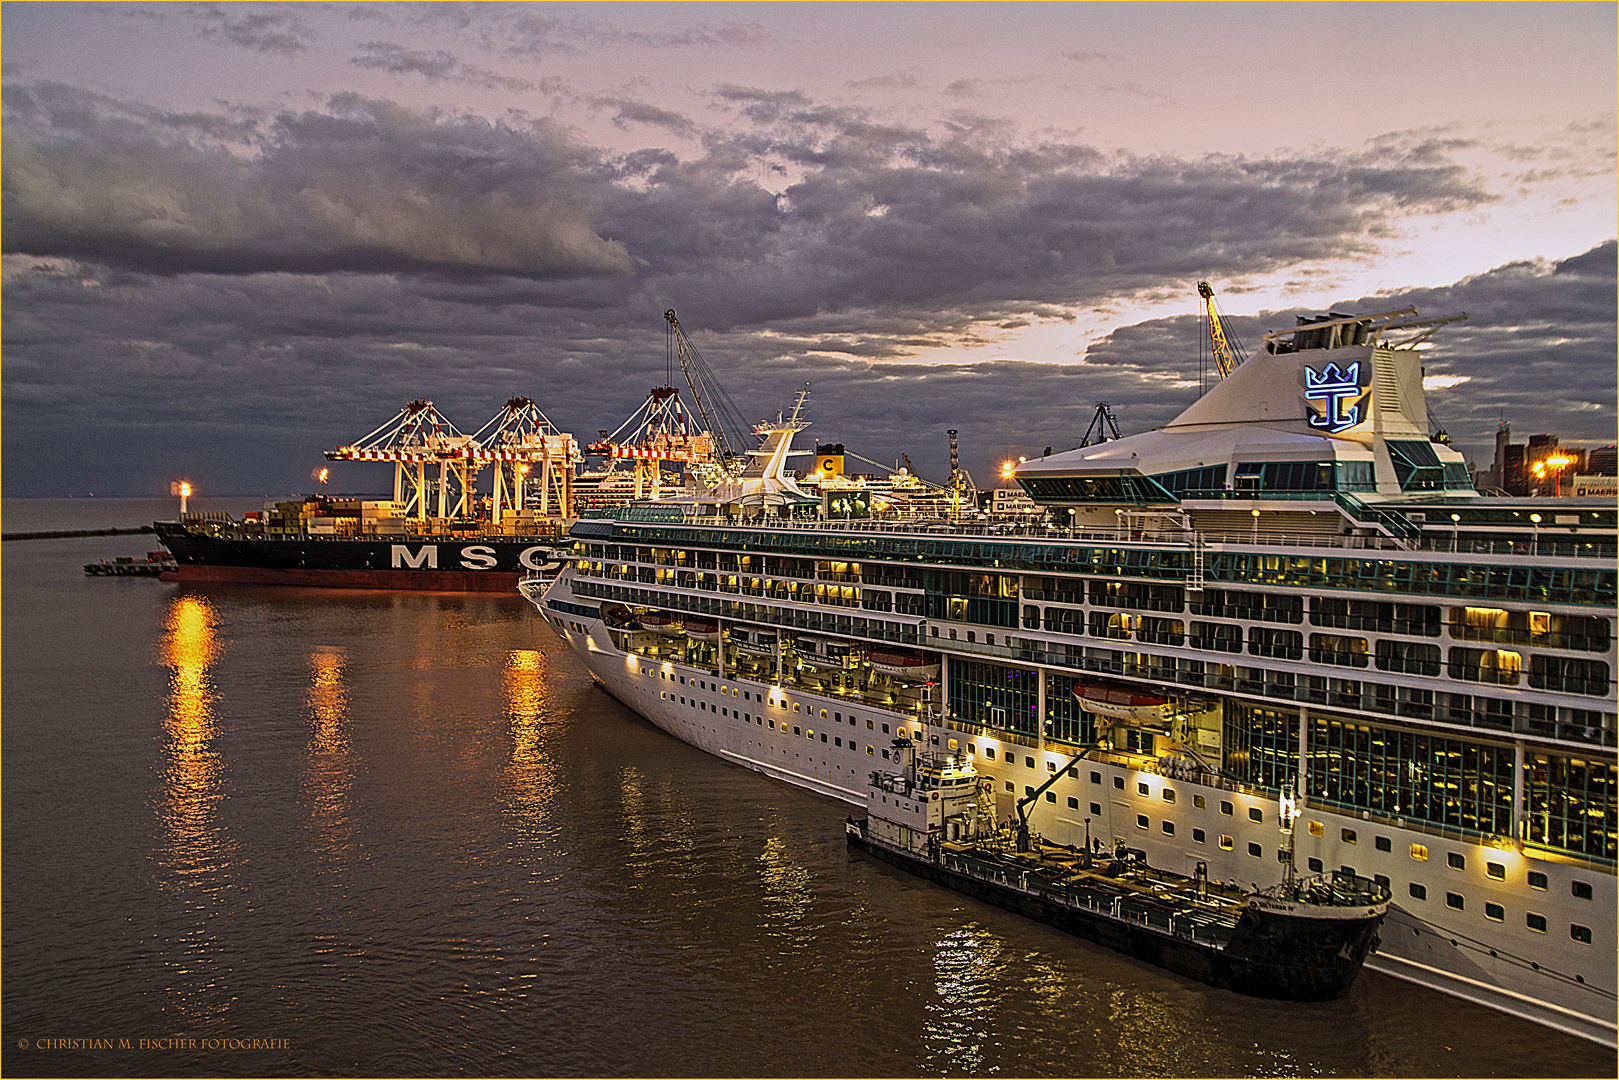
714, 406
660, 430
416, 439
519, 441
1227, 348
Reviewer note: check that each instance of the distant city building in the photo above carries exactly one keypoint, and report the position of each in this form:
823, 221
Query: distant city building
1542, 466
1603, 461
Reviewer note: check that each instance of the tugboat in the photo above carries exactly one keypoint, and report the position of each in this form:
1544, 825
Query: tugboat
1303, 939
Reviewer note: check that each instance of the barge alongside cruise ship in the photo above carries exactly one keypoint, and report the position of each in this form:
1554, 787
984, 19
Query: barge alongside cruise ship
1287, 593
1300, 940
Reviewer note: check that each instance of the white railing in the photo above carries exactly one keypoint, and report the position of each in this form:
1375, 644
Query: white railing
1537, 546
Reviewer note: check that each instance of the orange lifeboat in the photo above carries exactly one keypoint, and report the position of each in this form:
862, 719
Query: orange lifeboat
1124, 702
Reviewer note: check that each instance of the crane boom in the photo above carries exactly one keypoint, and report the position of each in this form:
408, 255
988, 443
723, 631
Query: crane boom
709, 399
1226, 358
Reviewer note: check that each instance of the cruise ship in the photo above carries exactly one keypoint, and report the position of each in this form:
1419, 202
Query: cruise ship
1288, 606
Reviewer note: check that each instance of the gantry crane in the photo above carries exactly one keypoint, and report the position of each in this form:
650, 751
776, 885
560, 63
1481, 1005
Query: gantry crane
516, 441
1228, 351
520, 440
660, 430
417, 438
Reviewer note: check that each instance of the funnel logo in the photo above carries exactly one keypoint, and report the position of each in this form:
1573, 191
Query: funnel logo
1334, 398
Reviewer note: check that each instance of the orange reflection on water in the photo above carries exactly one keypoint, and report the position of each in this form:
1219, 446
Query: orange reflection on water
328, 700
330, 771
531, 770
190, 647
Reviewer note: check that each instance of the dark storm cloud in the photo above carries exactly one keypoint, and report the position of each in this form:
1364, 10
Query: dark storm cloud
359, 185
246, 289
242, 381
882, 214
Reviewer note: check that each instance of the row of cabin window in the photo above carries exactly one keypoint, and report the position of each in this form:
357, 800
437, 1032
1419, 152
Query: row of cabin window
1577, 586
1419, 852
1461, 580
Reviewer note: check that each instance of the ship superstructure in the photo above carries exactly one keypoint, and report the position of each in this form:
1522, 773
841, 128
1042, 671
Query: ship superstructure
1288, 601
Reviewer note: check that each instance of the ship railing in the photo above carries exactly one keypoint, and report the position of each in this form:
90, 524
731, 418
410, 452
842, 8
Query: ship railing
1405, 535
973, 530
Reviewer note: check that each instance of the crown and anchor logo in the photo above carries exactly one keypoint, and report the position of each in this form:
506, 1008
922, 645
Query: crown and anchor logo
1335, 396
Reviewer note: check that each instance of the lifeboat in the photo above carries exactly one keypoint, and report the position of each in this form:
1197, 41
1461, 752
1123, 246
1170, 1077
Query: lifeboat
1124, 702
823, 654
754, 642
700, 630
660, 622
906, 666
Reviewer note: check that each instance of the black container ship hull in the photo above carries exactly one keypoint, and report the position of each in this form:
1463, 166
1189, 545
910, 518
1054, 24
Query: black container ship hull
476, 563
1268, 955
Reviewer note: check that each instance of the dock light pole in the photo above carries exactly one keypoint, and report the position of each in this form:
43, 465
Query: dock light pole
1255, 512
1455, 532
1534, 520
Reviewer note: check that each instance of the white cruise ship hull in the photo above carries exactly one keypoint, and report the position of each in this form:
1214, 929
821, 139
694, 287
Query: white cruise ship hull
828, 743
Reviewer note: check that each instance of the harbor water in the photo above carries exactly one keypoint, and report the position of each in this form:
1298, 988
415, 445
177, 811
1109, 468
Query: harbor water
261, 831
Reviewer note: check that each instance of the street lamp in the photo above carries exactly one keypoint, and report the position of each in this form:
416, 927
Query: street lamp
1255, 512
1535, 547
1455, 531
181, 488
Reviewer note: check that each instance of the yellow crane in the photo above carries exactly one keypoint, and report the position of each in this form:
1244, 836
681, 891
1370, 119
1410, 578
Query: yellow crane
1226, 358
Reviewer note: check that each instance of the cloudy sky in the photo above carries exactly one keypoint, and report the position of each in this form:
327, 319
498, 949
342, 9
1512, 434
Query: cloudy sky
237, 235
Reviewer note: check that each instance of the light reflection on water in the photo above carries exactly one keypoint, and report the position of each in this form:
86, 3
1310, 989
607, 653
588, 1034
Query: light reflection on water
330, 764
195, 853
787, 896
530, 770
192, 777
968, 969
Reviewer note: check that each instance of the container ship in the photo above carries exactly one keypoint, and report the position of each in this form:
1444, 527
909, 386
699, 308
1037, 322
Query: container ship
437, 532
1289, 603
